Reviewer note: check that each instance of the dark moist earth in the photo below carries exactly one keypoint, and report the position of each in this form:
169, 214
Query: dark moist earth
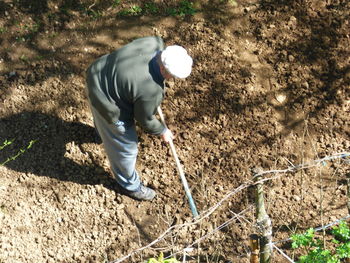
270, 88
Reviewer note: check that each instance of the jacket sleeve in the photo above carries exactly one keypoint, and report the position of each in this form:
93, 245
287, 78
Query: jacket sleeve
144, 112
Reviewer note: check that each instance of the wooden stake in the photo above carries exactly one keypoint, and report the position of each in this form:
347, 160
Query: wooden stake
254, 248
263, 221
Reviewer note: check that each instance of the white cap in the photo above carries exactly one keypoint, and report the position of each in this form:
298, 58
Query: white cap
177, 61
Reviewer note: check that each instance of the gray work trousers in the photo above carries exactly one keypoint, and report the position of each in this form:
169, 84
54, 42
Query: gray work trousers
120, 143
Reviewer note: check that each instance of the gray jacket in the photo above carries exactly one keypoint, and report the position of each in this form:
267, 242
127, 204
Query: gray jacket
126, 84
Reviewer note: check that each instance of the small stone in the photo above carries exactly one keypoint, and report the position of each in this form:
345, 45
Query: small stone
185, 135
99, 189
12, 74
305, 85
155, 184
281, 97
296, 198
119, 199
120, 206
293, 18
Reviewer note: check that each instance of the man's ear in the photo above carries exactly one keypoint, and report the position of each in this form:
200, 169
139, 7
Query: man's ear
162, 69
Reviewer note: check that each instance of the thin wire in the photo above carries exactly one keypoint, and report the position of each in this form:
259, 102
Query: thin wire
283, 254
318, 228
225, 224
307, 165
331, 224
196, 221
243, 186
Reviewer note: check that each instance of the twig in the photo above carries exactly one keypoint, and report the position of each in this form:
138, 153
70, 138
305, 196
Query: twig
195, 221
185, 254
138, 233
92, 5
240, 188
225, 224
147, 246
221, 226
283, 254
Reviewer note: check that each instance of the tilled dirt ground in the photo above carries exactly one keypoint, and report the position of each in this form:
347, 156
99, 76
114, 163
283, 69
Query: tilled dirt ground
270, 89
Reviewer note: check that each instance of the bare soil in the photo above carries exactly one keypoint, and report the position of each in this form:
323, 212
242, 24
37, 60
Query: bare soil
270, 88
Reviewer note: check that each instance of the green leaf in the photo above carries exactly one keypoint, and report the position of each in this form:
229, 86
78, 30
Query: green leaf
303, 240
162, 260
341, 232
343, 250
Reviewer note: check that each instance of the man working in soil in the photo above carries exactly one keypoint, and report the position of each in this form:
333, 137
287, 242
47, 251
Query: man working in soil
128, 85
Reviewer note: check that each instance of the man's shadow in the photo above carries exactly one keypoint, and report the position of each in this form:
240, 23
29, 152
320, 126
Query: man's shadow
49, 155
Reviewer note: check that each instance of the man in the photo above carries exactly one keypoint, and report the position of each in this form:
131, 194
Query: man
128, 85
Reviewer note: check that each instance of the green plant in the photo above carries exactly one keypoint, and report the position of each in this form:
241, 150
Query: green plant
116, 3
303, 240
53, 34
134, 10
94, 14
27, 31
19, 153
6, 143
20, 39
31, 28
161, 259
39, 57
341, 232
3, 30
151, 8
24, 58
315, 247
184, 8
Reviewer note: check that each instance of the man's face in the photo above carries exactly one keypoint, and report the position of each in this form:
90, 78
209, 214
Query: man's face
165, 73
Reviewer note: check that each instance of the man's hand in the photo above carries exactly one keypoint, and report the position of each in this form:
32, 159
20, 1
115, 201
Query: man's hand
167, 136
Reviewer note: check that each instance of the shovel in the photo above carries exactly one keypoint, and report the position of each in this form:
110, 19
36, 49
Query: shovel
180, 170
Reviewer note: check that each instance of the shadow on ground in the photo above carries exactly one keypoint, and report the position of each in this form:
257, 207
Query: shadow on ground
50, 154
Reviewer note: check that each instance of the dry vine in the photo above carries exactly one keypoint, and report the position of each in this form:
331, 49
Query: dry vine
243, 186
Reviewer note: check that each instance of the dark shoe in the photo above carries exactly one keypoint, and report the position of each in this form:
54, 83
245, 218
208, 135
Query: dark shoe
144, 193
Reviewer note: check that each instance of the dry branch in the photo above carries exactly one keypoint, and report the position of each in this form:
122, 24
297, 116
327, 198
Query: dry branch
243, 186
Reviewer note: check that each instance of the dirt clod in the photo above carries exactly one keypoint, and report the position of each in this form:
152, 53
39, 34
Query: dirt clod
269, 88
